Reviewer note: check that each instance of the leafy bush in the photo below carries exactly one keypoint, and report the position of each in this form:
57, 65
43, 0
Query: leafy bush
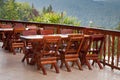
56, 18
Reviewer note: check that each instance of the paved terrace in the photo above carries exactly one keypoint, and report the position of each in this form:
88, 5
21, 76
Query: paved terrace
11, 68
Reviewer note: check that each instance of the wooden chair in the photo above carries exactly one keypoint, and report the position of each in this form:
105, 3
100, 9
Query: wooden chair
16, 42
28, 47
71, 51
30, 52
27, 33
91, 49
48, 54
46, 32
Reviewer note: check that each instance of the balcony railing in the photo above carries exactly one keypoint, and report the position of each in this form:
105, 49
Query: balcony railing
110, 54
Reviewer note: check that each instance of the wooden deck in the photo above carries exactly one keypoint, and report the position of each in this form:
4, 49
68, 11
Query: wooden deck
11, 68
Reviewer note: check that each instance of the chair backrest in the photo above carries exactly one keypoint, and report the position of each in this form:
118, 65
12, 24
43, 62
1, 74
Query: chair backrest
74, 44
96, 41
32, 27
51, 45
86, 44
66, 31
37, 45
49, 28
29, 32
6, 26
46, 32
18, 28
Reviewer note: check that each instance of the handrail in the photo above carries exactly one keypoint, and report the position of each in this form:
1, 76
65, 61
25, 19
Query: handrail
110, 54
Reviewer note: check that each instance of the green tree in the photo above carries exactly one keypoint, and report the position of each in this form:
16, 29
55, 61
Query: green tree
49, 9
2, 2
10, 11
15, 11
24, 11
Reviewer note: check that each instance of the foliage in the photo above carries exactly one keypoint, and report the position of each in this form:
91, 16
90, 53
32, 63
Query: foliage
56, 18
12, 10
15, 11
23, 10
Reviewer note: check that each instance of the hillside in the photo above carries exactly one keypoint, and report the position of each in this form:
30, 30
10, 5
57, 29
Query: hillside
103, 13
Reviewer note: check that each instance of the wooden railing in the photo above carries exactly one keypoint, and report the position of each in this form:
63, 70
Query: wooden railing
110, 54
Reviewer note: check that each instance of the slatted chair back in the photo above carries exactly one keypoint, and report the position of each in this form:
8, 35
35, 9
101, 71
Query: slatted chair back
6, 26
18, 28
96, 43
75, 42
66, 31
46, 32
32, 27
51, 43
29, 32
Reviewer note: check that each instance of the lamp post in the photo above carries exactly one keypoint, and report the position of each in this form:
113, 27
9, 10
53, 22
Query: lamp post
91, 23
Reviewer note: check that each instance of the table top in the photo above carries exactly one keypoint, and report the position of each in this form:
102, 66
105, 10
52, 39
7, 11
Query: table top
30, 37
6, 29
9, 29
41, 36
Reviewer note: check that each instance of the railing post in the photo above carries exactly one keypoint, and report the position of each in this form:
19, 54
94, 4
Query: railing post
118, 51
104, 53
113, 50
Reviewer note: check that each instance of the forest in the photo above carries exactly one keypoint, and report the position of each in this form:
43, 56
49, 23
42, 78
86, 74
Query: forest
12, 10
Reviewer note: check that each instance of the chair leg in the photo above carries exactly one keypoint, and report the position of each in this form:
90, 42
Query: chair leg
56, 68
67, 66
73, 64
61, 64
82, 59
51, 66
27, 60
79, 65
100, 66
13, 49
88, 64
23, 59
38, 66
43, 69
93, 62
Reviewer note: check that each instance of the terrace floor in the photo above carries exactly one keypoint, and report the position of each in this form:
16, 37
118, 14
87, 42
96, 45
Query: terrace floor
11, 68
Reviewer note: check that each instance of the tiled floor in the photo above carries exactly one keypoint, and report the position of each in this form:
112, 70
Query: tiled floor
11, 68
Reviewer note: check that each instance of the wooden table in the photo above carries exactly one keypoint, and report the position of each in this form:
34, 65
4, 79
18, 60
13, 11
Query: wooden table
34, 37
5, 34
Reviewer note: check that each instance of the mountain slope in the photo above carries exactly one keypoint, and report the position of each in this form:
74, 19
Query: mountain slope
102, 13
